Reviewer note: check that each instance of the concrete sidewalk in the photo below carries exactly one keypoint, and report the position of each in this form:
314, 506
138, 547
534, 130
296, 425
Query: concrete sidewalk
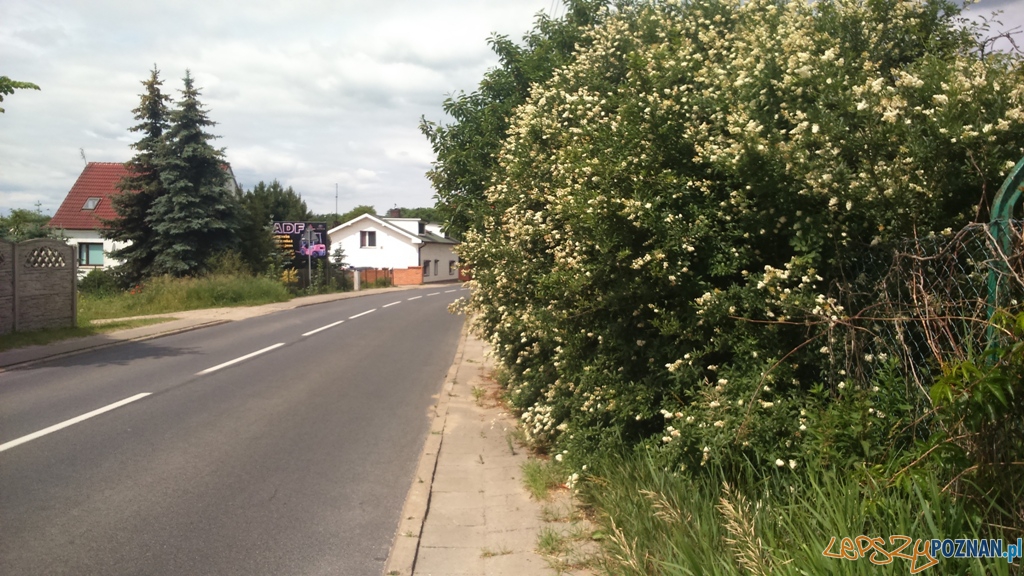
468, 512
180, 322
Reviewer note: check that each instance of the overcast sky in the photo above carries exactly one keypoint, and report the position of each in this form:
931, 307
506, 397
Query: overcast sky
312, 93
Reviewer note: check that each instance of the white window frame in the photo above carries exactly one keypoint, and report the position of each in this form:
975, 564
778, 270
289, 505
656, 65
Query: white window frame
367, 238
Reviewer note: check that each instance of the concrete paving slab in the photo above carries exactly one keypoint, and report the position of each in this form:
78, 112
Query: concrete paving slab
447, 560
481, 521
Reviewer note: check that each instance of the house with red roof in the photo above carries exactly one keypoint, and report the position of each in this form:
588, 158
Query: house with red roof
81, 215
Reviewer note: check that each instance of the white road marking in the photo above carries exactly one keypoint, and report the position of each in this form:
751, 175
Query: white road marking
322, 328
449, 291
415, 297
362, 314
434, 294
392, 304
66, 423
239, 359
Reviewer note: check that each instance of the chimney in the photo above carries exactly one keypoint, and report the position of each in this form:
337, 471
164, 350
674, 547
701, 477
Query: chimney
395, 213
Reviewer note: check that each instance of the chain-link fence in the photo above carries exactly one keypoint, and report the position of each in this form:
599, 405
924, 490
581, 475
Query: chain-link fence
927, 302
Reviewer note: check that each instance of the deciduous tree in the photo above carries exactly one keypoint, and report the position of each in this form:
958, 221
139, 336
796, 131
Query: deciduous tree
8, 86
260, 206
467, 149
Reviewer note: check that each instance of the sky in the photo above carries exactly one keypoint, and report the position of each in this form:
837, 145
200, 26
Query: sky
321, 95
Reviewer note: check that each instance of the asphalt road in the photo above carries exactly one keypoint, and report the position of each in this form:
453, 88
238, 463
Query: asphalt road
293, 461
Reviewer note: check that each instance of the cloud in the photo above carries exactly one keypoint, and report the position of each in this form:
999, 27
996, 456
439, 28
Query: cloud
312, 93
290, 86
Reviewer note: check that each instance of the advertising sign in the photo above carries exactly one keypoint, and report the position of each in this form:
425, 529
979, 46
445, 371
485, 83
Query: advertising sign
302, 239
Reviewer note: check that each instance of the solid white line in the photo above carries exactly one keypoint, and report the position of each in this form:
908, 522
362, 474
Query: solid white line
322, 328
392, 304
239, 359
66, 423
415, 297
449, 291
434, 294
362, 314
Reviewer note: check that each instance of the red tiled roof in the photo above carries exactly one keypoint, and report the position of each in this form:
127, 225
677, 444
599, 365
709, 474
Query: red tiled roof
98, 180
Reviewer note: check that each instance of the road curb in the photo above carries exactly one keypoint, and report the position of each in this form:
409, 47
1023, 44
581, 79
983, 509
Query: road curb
406, 542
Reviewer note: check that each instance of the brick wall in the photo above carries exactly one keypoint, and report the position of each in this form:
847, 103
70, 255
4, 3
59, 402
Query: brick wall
409, 276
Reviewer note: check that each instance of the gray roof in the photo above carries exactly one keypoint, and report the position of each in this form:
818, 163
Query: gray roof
431, 237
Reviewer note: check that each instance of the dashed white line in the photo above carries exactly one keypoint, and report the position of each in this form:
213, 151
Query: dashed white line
415, 298
434, 294
239, 359
449, 291
322, 328
392, 304
66, 423
362, 314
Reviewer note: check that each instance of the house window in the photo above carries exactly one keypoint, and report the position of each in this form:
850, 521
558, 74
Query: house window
367, 239
426, 267
451, 267
91, 204
423, 228
90, 254
436, 262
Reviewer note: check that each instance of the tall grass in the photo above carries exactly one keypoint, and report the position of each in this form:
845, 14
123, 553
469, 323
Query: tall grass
166, 294
681, 524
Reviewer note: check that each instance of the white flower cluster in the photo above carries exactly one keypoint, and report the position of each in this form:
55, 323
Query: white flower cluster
613, 226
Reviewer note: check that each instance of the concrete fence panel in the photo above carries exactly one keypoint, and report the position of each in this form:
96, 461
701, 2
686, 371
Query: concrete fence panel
6, 287
44, 274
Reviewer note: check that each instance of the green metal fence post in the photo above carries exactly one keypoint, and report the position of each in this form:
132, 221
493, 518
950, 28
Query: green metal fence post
999, 227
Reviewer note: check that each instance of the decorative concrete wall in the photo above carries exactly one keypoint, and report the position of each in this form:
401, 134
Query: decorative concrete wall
41, 283
6, 287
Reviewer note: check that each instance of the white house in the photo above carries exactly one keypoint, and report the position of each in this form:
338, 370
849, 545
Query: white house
400, 243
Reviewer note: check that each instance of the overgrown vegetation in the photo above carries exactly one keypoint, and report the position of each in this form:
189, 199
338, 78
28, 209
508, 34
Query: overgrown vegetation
717, 524
167, 294
659, 252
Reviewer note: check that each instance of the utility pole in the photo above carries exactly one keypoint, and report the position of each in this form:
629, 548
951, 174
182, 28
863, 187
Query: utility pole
336, 215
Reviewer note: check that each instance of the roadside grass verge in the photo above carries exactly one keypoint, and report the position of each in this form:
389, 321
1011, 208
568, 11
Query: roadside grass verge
41, 337
165, 294
673, 524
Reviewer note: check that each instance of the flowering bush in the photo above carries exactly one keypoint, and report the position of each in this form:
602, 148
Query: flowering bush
673, 206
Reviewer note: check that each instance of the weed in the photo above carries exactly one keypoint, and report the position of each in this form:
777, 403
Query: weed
551, 542
540, 477
488, 553
478, 395
508, 440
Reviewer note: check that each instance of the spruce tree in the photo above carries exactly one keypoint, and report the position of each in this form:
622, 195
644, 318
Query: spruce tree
142, 186
196, 217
